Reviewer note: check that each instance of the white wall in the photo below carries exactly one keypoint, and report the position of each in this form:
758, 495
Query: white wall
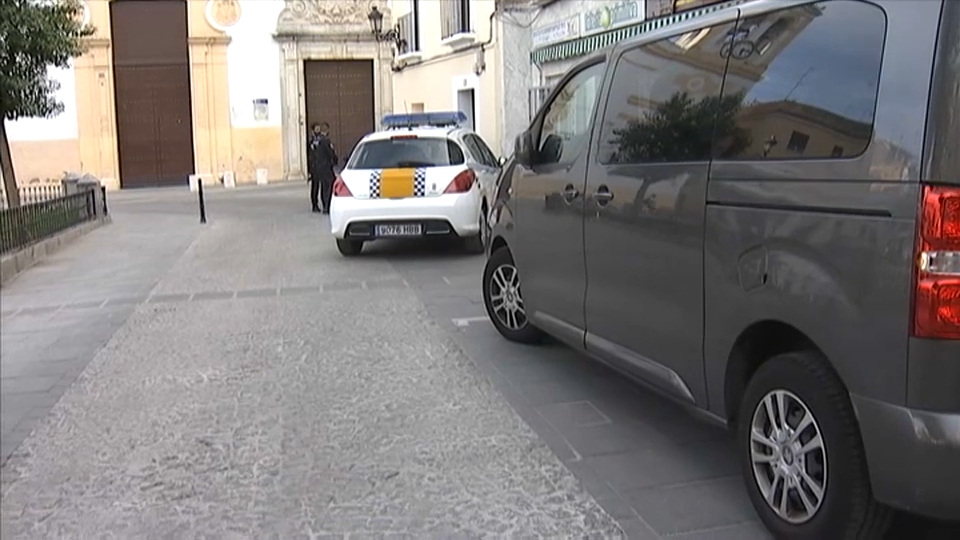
253, 59
62, 126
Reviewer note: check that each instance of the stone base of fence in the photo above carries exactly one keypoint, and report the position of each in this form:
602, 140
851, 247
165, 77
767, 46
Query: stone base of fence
12, 264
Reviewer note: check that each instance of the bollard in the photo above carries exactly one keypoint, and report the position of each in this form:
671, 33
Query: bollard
203, 209
103, 192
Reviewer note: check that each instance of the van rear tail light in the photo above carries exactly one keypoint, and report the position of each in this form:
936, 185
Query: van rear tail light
936, 311
462, 182
340, 188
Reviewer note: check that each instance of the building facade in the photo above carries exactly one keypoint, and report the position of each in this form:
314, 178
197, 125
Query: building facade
214, 88
449, 59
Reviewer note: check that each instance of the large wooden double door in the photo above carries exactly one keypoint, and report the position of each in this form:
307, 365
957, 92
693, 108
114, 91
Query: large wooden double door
151, 71
340, 93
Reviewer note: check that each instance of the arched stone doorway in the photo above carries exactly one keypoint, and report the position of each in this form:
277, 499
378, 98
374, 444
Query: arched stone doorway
326, 44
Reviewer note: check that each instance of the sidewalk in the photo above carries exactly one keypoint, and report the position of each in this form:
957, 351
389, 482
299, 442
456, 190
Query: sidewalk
57, 315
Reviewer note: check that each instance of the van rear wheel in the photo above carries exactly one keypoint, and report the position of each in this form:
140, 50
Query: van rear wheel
801, 453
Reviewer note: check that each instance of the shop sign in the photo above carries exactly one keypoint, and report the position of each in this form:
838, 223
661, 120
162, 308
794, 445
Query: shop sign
613, 15
568, 28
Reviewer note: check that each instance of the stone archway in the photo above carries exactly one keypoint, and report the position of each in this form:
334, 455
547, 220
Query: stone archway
324, 30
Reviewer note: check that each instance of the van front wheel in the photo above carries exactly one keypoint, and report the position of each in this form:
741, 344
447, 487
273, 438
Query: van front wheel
801, 453
504, 301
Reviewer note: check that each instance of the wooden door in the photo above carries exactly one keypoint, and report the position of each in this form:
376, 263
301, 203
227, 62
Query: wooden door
340, 92
152, 87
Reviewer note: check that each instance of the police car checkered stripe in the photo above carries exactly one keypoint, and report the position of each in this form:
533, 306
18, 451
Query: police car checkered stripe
375, 185
419, 183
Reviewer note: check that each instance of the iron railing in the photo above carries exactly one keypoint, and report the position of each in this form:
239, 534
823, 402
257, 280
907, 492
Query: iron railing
454, 18
409, 37
34, 194
30, 223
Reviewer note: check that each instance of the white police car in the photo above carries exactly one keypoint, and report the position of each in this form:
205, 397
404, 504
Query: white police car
423, 175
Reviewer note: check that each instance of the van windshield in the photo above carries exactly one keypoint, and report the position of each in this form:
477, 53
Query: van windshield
406, 152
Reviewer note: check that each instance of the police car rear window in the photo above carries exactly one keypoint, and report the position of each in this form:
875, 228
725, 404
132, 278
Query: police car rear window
406, 152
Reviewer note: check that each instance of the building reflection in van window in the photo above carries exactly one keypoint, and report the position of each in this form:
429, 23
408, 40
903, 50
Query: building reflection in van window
566, 122
664, 99
798, 142
810, 79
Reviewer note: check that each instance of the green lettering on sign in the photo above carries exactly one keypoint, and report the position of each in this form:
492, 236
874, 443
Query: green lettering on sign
609, 16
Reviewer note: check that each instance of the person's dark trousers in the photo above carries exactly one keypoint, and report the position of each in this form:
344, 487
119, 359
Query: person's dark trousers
326, 192
314, 192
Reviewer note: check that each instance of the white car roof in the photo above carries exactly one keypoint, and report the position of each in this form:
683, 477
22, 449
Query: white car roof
426, 132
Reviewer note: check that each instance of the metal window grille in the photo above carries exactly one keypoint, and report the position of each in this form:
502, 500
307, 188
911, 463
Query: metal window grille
407, 25
454, 18
536, 96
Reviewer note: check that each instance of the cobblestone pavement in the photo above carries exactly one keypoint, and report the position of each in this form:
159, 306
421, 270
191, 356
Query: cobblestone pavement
265, 387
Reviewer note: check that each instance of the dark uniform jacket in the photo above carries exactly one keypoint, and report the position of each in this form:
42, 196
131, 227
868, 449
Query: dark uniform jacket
322, 158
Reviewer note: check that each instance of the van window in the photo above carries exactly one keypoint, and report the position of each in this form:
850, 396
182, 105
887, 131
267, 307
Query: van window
804, 81
664, 100
566, 121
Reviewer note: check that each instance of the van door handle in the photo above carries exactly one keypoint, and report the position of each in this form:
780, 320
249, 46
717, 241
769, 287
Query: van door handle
603, 196
570, 193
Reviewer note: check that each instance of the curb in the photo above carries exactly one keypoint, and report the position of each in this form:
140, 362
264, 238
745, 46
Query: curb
13, 264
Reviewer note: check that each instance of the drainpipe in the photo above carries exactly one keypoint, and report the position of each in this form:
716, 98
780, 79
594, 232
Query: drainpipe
483, 45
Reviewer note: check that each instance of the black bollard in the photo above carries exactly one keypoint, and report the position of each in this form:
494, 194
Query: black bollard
203, 209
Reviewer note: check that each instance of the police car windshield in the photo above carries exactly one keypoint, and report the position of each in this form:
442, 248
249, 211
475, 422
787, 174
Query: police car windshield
406, 152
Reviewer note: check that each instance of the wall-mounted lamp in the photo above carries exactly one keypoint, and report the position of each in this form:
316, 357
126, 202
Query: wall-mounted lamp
768, 146
393, 34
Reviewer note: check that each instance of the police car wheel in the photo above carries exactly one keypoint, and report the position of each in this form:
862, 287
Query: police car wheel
349, 248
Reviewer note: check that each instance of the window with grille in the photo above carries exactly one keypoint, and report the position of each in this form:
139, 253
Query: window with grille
407, 26
454, 18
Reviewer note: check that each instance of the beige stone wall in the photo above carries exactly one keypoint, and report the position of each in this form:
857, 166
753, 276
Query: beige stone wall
44, 161
257, 148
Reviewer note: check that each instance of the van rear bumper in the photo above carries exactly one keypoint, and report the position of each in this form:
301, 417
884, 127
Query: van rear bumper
914, 457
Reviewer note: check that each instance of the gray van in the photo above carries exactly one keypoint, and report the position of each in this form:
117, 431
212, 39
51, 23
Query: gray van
756, 212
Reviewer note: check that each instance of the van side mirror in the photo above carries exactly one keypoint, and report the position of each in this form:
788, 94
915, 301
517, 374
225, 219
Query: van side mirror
523, 149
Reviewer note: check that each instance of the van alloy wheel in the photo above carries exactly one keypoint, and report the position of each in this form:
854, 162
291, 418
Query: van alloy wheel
503, 300
789, 456
505, 297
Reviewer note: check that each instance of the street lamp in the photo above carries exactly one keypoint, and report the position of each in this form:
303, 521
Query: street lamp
376, 27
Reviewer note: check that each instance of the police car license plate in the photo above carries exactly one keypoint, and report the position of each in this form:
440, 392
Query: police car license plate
406, 229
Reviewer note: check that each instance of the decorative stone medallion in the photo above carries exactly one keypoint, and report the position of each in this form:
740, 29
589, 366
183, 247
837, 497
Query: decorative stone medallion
222, 14
83, 14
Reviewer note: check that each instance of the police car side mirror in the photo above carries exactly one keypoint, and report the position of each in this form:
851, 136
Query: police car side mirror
523, 149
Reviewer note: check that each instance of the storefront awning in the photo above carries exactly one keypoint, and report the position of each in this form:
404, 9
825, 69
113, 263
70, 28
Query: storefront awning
588, 44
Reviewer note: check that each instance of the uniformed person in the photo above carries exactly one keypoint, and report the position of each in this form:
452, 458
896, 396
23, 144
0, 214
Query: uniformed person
322, 158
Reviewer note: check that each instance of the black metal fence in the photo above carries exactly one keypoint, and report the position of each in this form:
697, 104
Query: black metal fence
24, 225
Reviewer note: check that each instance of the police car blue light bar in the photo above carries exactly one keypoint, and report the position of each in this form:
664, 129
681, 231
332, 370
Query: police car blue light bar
433, 119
